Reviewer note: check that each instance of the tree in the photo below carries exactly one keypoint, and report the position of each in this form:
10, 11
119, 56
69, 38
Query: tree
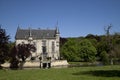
78, 50
104, 57
70, 50
115, 51
20, 53
102, 46
109, 42
4, 40
87, 51
91, 36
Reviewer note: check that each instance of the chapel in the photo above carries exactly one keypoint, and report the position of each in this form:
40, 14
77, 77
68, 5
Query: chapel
46, 42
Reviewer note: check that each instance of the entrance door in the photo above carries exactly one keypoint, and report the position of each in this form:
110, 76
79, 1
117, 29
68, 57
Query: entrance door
44, 52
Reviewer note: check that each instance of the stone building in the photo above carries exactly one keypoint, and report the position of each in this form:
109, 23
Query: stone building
46, 42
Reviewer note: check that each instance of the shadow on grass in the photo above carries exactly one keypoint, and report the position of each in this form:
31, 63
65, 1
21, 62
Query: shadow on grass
101, 73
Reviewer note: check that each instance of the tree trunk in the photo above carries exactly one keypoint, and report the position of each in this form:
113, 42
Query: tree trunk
111, 61
21, 64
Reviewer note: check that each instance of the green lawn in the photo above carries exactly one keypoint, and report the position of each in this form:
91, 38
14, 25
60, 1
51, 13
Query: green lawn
75, 73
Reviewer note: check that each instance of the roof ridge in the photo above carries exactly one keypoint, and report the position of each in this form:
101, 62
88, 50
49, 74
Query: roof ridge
37, 29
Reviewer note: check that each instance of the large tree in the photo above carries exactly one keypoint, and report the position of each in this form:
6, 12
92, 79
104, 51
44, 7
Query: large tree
69, 50
4, 40
87, 51
78, 50
20, 53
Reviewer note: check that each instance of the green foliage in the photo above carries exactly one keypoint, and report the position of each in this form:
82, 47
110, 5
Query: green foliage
69, 50
4, 48
87, 51
102, 46
74, 50
117, 51
78, 50
104, 57
94, 42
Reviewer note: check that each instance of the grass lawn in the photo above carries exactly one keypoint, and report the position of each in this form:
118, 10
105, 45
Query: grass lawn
75, 73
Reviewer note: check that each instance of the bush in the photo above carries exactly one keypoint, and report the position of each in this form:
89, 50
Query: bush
104, 57
87, 51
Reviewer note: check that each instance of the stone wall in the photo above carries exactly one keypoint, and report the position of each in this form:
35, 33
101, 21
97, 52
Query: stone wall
59, 63
37, 63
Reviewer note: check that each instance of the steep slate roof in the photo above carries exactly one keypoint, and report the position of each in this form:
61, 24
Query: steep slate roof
35, 33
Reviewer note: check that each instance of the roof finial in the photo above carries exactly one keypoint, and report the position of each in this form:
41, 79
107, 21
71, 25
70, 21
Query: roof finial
18, 27
57, 30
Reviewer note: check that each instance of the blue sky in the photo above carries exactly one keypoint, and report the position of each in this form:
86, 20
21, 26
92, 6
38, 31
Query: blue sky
75, 17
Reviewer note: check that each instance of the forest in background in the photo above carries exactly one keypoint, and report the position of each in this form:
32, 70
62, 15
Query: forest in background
105, 48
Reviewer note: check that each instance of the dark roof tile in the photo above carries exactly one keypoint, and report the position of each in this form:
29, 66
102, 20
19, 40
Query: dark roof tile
35, 33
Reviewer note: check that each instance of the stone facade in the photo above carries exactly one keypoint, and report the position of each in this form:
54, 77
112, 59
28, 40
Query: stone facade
46, 42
